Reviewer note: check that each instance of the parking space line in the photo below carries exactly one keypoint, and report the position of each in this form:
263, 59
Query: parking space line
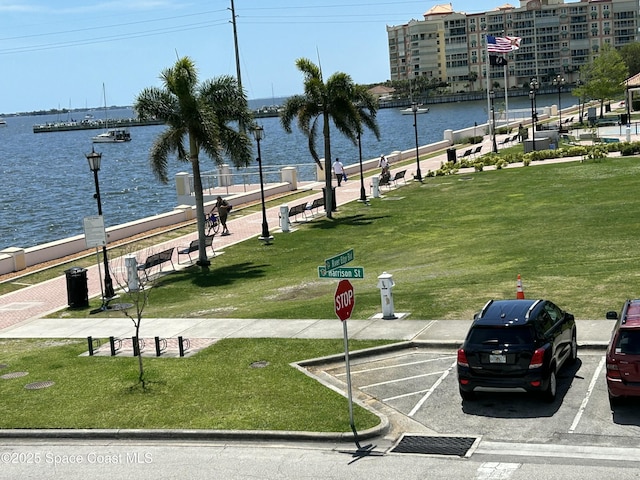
397, 380
400, 365
432, 389
404, 395
585, 400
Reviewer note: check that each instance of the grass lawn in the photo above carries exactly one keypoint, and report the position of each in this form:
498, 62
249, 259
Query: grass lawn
215, 389
451, 243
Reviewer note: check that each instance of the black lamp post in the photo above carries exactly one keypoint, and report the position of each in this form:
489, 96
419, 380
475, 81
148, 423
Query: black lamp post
559, 83
533, 85
94, 160
363, 193
492, 97
258, 133
414, 108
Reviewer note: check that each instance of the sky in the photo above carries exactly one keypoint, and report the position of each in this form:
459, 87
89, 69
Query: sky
59, 54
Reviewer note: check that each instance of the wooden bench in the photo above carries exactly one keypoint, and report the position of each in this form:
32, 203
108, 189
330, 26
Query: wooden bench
300, 209
195, 245
157, 259
399, 176
316, 204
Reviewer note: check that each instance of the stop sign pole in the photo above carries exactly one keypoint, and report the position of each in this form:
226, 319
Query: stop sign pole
344, 302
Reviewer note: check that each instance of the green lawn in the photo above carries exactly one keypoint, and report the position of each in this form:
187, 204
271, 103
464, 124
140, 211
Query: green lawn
452, 243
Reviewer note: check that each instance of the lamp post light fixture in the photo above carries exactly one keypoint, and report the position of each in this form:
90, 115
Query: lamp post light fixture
559, 83
414, 109
492, 97
258, 134
534, 86
94, 158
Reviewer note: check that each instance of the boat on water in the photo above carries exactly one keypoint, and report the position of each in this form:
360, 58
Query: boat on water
409, 111
113, 135
3, 122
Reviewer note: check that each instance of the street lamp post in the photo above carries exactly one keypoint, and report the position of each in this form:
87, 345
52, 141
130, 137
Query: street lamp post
533, 85
94, 160
492, 96
414, 108
559, 83
258, 133
363, 193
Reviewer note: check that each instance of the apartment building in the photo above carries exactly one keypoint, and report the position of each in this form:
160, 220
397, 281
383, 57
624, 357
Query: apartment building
557, 38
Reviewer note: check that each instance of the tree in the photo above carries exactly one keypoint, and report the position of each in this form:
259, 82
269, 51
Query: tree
630, 54
604, 77
204, 114
473, 77
338, 100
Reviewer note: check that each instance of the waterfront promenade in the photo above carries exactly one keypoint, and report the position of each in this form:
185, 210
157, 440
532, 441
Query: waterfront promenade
21, 310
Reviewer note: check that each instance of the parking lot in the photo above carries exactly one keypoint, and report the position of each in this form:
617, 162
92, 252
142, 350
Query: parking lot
421, 383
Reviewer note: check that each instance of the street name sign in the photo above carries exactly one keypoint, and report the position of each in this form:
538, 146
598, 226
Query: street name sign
339, 260
341, 272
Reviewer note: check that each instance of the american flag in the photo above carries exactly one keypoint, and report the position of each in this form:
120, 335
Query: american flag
502, 44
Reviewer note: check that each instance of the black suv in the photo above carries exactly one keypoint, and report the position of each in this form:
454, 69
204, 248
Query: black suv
516, 346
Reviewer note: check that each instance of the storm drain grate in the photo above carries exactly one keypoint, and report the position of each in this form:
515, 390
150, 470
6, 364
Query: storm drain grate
39, 385
8, 376
429, 445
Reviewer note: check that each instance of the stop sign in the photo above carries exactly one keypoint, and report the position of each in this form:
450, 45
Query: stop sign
344, 300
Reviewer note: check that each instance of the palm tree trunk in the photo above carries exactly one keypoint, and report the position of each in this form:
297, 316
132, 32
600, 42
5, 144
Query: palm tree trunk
328, 197
203, 261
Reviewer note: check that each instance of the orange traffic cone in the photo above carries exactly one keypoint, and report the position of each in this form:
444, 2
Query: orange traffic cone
519, 291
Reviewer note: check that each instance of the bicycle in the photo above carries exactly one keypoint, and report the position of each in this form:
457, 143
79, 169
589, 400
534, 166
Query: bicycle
211, 223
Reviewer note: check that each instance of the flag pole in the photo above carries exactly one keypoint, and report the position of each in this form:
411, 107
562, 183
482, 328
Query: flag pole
506, 96
487, 66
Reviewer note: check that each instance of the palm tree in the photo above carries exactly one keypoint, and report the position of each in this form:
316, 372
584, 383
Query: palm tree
339, 100
203, 114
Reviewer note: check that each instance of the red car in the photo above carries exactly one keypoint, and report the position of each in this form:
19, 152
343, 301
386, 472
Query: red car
623, 353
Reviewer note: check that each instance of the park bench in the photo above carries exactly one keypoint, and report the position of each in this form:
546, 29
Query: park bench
194, 246
295, 211
157, 259
466, 154
316, 204
399, 176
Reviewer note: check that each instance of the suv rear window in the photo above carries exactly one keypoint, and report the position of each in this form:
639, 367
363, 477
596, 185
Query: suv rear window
628, 342
519, 335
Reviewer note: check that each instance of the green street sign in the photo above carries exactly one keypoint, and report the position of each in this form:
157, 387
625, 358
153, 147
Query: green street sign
341, 272
339, 260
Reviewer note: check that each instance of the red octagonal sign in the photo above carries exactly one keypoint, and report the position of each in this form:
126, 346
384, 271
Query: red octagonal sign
344, 300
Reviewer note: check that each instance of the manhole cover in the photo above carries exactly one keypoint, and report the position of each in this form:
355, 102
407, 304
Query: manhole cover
260, 364
8, 376
39, 385
429, 445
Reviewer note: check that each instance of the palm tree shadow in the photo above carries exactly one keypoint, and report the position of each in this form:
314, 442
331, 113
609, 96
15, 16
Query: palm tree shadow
351, 220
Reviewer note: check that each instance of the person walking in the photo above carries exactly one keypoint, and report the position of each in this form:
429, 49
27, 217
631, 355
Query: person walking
338, 170
223, 208
383, 163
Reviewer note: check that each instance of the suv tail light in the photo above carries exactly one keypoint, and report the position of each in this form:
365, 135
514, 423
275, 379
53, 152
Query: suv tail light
462, 358
537, 359
613, 371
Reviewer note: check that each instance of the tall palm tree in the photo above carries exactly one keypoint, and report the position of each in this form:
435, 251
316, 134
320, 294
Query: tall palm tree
203, 114
338, 100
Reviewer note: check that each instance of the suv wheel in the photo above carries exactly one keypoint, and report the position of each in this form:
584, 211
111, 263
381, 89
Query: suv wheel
550, 393
574, 349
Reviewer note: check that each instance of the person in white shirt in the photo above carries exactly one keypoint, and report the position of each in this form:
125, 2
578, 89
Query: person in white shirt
338, 170
383, 163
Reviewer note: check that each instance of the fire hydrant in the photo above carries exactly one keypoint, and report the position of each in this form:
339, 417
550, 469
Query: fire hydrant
375, 185
284, 218
386, 284
132, 272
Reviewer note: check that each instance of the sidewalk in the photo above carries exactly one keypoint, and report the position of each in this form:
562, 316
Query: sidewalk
21, 311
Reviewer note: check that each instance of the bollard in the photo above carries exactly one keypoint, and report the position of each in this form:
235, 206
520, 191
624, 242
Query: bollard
181, 345
131, 264
386, 284
375, 184
284, 218
90, 342
112, 344
628, 132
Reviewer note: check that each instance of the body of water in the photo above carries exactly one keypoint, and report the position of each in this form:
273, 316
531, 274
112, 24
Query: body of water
47, 188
